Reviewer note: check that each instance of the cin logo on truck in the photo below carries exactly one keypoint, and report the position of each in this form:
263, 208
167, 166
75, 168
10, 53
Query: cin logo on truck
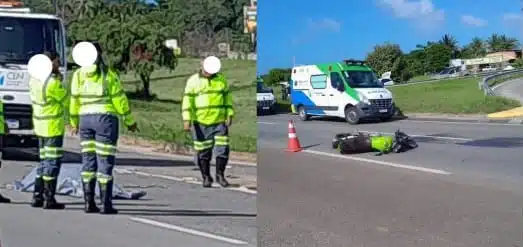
12, 78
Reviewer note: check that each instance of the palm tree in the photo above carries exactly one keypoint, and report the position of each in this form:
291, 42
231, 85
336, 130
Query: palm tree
498, 42
450, 42
476, 48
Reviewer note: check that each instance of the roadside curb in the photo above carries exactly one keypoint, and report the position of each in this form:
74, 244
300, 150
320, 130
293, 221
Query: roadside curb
511, 113
190, 180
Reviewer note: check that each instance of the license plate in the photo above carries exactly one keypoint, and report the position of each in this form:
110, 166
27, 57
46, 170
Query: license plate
265, 108
12, 124
383, 110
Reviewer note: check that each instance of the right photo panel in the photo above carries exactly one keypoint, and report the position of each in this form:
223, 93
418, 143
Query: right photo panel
390, 123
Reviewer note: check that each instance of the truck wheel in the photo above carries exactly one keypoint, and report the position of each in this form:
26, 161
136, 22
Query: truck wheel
303, 113
351, 115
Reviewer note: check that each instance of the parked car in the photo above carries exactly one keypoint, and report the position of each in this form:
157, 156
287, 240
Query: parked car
265, 100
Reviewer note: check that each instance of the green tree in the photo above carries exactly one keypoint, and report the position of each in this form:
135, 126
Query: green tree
131, 38
416, 62
389, 57
437, 57
276, 75
476, 48
450, 42
501, 42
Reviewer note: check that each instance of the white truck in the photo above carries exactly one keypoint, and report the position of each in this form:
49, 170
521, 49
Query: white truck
23, 35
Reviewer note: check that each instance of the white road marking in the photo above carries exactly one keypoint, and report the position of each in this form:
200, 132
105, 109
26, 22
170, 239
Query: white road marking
427, 136
187, 230
189, 180
265, 122
465, 123
379, 162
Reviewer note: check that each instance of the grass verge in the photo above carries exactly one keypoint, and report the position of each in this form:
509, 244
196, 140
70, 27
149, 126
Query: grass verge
160, 120
460, 96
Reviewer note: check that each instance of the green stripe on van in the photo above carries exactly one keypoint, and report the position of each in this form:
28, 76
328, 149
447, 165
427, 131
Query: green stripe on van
337, 67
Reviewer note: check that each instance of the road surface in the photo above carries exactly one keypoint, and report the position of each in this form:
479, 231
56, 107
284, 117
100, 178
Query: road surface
463, 186
512, 89
173, 212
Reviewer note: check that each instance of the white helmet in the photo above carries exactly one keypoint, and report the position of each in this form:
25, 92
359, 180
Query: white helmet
212, 65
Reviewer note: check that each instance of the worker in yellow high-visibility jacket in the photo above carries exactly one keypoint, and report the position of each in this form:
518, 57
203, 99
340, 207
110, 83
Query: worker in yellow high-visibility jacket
97, 100
50, 101
207, 107
2, 133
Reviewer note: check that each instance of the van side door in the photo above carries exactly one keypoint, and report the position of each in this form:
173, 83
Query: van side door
336, 94
319, 97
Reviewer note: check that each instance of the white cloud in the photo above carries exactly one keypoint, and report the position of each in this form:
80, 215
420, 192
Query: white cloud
326, 24
473, 21
512, 17
422, 12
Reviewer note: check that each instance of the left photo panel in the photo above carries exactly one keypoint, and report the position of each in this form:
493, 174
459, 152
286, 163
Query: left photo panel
132, 122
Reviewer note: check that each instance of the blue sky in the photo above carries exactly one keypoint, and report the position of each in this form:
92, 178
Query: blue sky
330, 30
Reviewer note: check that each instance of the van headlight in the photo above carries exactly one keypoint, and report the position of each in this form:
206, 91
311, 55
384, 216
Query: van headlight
364, 99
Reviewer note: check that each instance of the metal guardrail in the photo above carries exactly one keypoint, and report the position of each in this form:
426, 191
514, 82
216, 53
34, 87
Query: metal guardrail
431, 80
484, 84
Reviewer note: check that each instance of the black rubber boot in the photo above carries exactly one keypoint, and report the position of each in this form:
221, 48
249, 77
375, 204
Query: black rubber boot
4, 199
49, 196
89, 194
221, 164
205, 169
106, 196
38, 193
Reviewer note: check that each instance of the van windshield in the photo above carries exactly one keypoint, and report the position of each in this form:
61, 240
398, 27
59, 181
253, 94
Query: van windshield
21, 38
362, 79
262, 88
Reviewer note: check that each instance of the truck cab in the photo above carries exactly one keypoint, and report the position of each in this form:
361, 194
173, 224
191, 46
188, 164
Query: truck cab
348, 89
24, 34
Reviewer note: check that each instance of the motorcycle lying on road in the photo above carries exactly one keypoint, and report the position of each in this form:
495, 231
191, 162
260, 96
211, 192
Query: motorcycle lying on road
359, 142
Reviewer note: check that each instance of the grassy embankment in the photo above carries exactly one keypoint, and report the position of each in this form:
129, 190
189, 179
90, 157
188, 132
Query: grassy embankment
459, 96
160, 120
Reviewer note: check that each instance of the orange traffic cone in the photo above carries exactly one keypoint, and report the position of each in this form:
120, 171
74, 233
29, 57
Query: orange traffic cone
293, 144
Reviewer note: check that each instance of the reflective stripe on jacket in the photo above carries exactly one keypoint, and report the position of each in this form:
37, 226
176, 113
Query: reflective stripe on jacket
207, 101
49, 101
98, 94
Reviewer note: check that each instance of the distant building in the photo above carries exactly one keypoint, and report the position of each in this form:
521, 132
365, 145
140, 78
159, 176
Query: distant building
494, 59
506, 56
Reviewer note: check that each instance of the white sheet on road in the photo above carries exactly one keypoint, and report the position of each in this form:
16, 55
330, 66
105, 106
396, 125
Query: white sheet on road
70, 183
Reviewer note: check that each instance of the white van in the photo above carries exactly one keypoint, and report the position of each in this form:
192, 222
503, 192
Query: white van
350, 90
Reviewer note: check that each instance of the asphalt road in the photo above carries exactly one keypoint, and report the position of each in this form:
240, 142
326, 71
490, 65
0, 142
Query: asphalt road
463, 186
172, 213
512, 89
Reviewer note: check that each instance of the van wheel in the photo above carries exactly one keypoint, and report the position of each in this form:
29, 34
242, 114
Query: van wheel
351, 115
303, 113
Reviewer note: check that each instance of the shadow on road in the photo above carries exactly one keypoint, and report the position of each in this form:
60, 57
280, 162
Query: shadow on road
496, 142
73, 157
